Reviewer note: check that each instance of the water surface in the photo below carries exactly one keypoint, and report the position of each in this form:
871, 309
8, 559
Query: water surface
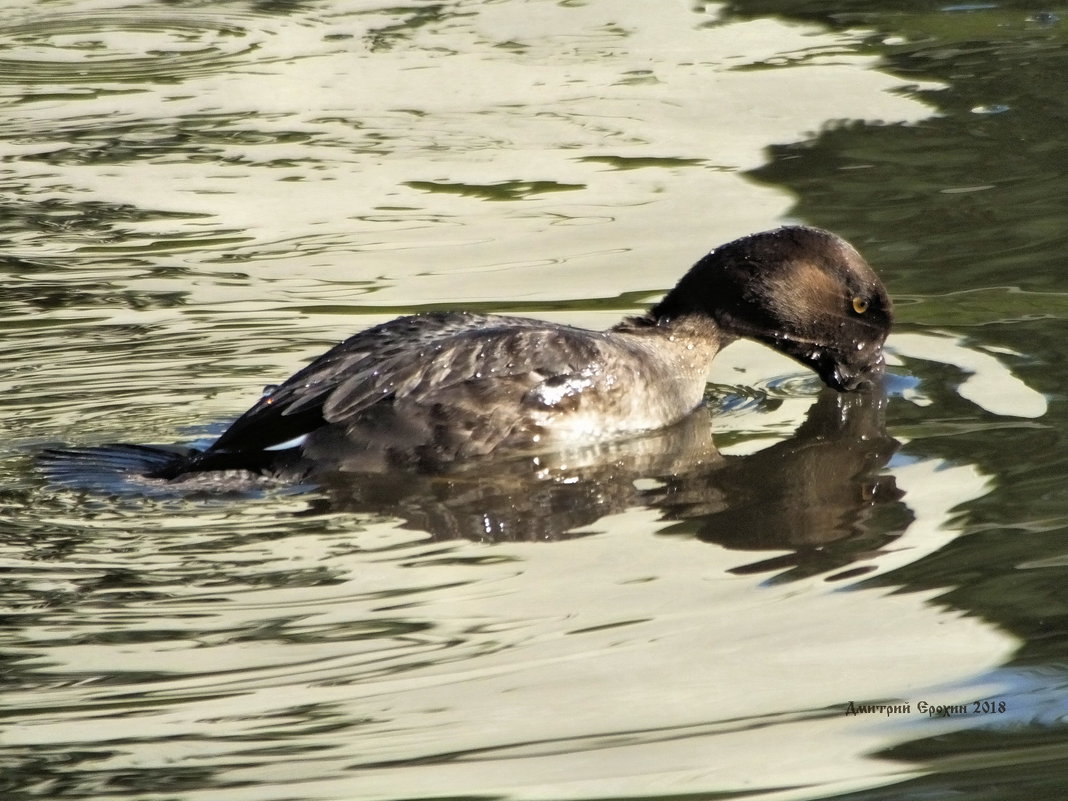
195, 198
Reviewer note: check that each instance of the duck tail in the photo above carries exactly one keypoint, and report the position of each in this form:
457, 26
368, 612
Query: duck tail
102, 464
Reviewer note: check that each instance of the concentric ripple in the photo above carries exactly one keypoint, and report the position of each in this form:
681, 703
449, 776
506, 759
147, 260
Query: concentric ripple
122, 47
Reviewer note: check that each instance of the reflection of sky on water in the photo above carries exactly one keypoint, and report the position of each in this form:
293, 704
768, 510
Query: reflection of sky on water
988, 383
321, 155
426, 669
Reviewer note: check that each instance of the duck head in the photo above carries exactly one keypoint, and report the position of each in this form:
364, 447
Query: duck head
805, 292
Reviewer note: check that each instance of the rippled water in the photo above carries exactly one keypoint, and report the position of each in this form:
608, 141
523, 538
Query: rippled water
195, 198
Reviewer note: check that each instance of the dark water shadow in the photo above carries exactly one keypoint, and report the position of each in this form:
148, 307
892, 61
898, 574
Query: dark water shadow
820, 494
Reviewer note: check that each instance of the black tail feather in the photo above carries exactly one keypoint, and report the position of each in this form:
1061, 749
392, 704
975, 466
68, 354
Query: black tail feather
111, 464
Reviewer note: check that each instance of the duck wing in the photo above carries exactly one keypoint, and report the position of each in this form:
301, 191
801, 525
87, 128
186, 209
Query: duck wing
435, 378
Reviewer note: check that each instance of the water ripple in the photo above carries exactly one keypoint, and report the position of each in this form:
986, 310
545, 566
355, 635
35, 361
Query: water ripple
122, 46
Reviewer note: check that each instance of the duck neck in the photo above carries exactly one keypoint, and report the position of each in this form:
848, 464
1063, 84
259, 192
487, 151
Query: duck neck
677, 352
693, 332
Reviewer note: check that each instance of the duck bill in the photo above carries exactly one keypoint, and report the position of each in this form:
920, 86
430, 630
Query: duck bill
839, 372
845, 379
850, 377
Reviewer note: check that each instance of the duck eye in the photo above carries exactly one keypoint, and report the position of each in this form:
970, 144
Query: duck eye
860, 305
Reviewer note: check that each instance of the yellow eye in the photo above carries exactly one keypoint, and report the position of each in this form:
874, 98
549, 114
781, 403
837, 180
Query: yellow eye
860, 305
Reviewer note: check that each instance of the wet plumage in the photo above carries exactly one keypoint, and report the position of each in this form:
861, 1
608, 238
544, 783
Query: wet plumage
432, 389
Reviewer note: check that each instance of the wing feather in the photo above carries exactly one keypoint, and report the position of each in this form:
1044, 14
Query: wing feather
460, 365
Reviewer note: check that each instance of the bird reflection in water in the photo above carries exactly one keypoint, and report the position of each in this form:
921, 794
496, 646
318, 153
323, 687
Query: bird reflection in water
821, 495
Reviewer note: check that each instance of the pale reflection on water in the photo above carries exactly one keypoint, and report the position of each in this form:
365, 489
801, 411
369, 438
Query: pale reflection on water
197, 197
258, 652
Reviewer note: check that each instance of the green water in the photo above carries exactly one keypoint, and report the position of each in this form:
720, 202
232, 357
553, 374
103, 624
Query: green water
196, 198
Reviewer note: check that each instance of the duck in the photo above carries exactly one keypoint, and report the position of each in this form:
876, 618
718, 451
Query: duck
435, 389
